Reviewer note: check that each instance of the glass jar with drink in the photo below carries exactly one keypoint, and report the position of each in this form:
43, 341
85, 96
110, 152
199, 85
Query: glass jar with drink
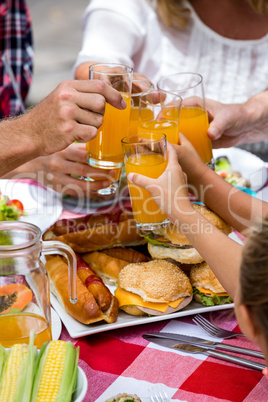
24, 284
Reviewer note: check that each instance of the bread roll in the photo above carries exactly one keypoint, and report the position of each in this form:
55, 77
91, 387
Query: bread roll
96, 232
86, 309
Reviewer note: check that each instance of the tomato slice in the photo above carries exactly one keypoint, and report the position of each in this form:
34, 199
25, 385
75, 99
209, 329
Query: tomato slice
18, 204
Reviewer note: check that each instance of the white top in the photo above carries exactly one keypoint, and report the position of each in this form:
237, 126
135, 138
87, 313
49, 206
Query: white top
129, 32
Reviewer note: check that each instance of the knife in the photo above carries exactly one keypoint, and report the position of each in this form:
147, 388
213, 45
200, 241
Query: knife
208, 344
186, 347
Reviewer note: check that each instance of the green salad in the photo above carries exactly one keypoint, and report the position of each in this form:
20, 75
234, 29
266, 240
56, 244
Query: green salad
10, 210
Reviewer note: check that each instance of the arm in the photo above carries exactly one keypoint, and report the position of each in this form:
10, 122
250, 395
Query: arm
72, 112
237, 208
112, 33
171, 194
58, 171
233, 124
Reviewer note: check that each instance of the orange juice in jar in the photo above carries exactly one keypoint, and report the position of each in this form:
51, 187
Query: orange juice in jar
145, 154
16, 328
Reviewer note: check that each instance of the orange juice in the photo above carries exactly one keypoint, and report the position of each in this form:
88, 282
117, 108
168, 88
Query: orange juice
145, 209
15, 328
107, 144
146, 114
193, 123
168, 127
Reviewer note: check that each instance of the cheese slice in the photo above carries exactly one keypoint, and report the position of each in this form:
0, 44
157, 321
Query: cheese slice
126, 298
209, 292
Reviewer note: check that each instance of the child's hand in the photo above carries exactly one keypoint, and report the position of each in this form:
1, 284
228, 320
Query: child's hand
189, 159
170, 190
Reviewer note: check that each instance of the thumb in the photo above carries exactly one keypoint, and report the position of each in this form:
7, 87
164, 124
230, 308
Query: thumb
139, 179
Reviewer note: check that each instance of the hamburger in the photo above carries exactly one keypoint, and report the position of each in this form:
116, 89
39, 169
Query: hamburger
206, 287
156, 287
171, 243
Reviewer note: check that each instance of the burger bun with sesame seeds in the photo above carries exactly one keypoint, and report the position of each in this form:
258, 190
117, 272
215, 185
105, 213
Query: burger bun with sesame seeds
156, 287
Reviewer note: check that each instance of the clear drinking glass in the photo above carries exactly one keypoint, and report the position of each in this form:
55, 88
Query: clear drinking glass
193, 121
159, 112
146, 154
105, 151
139, 87
24, 283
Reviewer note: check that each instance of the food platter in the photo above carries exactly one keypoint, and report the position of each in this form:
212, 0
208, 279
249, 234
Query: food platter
42, 205
249, 165
77, 330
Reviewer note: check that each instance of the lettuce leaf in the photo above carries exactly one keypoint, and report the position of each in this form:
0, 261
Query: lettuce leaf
214, 300
150, 238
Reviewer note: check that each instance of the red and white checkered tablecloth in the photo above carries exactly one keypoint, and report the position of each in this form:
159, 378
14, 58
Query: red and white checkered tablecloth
121, 361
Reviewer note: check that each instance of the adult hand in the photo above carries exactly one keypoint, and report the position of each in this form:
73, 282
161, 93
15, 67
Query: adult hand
64, 172
234, 124
170, 190
72, 112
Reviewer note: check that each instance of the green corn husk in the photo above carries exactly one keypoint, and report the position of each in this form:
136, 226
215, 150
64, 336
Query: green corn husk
18, 372
66, 379
3, 357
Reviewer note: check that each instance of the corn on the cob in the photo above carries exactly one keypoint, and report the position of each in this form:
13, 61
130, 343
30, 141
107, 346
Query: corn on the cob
56, 372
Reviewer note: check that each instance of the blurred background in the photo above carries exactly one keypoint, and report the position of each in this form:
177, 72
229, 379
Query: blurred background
57, 34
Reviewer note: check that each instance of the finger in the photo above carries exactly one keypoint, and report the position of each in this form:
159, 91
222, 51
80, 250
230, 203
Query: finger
111, 95
140, 180
75, 153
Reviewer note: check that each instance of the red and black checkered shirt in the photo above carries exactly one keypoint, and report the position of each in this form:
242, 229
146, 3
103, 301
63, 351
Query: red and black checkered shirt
16, 43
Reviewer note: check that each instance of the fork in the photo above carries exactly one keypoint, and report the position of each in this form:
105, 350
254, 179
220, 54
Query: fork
158, 394
212, 329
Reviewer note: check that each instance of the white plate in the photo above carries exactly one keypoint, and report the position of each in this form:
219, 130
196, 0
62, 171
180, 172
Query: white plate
42, 205
250, 166
77, 330
56, 325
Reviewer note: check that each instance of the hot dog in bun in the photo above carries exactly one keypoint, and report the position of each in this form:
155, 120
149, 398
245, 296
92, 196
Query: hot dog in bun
97, 231
156, 287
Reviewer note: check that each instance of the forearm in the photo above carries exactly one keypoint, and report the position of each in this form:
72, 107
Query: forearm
222, 254
236, 207
17, 144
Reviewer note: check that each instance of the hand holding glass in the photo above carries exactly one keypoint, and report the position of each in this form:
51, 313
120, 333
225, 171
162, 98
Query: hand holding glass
145, 154
105, 151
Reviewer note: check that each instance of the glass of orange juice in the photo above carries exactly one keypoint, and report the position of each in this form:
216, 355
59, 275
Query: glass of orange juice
146, 154
159, 112
139, 87
105, 150
193, 121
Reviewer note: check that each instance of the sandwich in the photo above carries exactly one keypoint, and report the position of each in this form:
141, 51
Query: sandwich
170, 243
156, 287
97, 231
206, 287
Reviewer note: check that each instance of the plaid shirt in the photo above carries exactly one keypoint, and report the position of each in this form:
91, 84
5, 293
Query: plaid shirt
16, 43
